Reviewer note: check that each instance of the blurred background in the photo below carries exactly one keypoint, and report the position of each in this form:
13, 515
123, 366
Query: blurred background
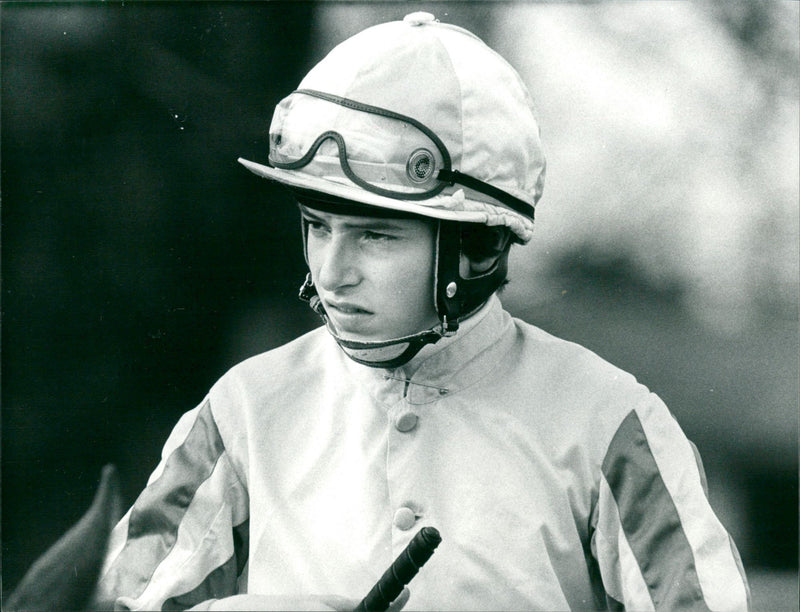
140, 261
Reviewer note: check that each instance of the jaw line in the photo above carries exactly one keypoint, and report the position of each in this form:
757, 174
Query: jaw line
416, 342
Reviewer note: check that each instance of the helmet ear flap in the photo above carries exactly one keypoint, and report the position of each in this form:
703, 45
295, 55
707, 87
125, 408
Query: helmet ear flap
447, 290
304, 233
458, 297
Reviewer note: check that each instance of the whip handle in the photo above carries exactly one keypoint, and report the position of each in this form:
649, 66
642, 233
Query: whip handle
400, 573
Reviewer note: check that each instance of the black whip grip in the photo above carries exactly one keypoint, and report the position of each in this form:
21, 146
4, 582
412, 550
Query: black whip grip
400, 573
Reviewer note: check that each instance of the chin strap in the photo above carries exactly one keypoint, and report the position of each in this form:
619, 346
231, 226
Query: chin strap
359, 351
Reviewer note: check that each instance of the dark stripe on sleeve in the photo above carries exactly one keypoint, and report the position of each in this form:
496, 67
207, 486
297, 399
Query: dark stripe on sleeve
221, 582
241, 545
159, 510
650, 520
613, 605
215, 586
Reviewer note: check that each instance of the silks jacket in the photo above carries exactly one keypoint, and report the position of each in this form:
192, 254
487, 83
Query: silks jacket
555, 479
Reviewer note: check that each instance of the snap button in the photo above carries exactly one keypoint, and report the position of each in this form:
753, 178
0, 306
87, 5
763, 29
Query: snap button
419, 18
406, 422
404, 518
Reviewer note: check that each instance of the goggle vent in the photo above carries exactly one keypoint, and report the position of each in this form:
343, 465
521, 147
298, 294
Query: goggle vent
421, 166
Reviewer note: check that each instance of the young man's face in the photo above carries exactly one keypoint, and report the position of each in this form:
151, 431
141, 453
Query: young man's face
373, 275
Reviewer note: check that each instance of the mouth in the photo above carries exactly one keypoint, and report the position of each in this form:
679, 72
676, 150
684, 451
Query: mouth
347, 308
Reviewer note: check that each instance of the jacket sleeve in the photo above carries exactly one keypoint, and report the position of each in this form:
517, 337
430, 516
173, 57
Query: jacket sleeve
184, 540
657, 541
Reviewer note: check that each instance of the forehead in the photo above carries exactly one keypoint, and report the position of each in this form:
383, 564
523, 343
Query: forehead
367, 221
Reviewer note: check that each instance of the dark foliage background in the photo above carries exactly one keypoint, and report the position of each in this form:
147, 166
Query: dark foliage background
131, 236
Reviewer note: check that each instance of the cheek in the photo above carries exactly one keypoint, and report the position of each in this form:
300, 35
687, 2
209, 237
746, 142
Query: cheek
314, 254
412, 287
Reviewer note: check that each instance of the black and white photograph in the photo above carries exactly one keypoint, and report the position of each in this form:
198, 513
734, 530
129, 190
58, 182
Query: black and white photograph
379, 305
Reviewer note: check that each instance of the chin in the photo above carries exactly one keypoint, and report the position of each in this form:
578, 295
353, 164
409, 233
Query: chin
368, 333
354, 331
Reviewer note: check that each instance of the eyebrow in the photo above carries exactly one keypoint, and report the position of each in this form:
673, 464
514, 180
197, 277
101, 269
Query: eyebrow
368, 223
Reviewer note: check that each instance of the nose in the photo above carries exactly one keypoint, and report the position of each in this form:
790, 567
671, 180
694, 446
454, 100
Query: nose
337, 263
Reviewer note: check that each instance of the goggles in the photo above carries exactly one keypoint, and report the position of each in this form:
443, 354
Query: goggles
381, 151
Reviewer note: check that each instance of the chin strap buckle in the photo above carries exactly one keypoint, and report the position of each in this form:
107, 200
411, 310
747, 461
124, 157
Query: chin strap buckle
307, 289
308, 293
449, 328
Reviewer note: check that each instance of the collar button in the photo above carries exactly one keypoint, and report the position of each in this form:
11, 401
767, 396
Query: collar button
404, 518
406, 422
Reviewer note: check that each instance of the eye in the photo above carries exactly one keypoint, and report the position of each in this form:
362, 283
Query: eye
316, 227
377, 236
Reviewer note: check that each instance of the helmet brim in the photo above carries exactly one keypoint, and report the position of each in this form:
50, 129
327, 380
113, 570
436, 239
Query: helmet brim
444, 207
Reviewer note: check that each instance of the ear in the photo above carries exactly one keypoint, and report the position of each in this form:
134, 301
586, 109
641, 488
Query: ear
472, 267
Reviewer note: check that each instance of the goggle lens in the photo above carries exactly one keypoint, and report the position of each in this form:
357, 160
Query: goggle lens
381, 151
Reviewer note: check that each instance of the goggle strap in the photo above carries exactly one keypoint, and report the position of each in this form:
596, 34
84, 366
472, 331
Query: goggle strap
454, 176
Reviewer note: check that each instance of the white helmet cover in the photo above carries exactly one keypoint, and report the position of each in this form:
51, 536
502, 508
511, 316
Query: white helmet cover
366, 124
